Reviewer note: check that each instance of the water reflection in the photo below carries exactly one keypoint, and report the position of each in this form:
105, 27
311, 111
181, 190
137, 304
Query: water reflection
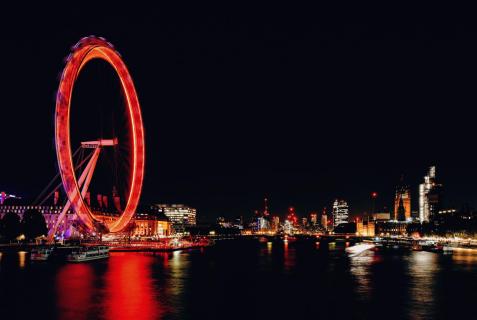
288, 257
21, 259
269, 247
74, 285
129, 290
215, 284
423, 267
360, 270
465, 257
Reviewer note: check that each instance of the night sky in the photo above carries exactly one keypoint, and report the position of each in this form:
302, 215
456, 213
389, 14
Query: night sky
301, 107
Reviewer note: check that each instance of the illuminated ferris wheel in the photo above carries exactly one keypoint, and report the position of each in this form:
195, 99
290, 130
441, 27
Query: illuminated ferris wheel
76, 183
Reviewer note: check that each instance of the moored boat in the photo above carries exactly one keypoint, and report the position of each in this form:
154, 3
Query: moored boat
88, 254
41, 254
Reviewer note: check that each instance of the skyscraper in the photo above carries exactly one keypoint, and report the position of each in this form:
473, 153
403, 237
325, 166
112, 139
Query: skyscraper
340, 212
403, 193
430, 194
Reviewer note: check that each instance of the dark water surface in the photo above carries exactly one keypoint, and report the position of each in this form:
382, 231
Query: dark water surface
243, 280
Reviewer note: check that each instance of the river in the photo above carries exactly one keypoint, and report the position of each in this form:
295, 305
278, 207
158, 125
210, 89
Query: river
243, 279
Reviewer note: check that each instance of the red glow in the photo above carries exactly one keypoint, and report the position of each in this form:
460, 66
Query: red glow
124, 290
374, 195
74, 284
85, 50
129, 289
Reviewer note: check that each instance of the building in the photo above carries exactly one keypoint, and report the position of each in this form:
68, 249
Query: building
340, 212
402, 197
50, 213
389, 228
381, 216
150, 225
324, 221
292, 216
365, 228
430, 197
144, 224
178, 214
71, 226
275, 223
313, 218
400, 215
263, 224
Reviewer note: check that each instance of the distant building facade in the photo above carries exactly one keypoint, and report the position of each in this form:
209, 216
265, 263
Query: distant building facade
381, 216
365, 228
387, 228
430, 197
151, 225
69, 227
178, 214
402, 199
340, 212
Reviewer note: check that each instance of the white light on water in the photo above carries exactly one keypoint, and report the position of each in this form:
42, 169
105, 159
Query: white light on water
358, 249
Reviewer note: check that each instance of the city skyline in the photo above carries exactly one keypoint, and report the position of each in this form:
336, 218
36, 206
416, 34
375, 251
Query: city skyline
220, 140
228, 162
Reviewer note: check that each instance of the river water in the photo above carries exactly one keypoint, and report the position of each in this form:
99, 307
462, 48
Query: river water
244, 279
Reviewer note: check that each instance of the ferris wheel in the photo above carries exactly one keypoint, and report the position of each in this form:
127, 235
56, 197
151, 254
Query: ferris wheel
76, 188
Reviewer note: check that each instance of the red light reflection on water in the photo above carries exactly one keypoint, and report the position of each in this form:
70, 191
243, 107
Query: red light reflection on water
120, 288
288, 257
74, 283
129, 291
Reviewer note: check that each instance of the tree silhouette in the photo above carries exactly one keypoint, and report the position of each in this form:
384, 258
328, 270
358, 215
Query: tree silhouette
10, 227
33, 224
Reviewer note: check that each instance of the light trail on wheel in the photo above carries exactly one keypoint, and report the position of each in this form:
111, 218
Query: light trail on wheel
85, 50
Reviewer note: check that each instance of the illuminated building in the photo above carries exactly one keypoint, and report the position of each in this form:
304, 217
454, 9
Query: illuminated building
178, 214
292, 216
70, 225
429, 196
402, 197
313, 218
223, 223
365, 228
50, 213
263, 224
288, 227
324, 221
387, 228
340, 212
447, 211
400, 215
381, 216
230, 224
151, 225
275, 223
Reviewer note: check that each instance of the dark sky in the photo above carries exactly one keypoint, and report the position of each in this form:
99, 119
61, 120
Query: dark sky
297, 105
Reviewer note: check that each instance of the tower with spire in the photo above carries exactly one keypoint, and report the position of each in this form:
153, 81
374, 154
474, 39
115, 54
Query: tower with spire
402, 199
